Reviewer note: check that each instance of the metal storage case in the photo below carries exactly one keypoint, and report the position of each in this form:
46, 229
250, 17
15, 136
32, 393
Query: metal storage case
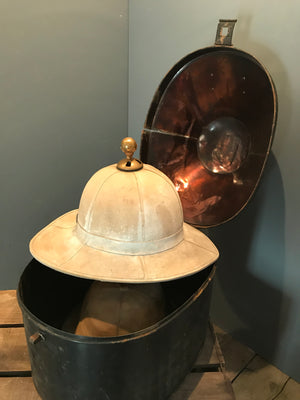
208, 93
148, 365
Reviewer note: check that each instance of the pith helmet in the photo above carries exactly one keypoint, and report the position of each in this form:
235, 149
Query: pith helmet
128, 228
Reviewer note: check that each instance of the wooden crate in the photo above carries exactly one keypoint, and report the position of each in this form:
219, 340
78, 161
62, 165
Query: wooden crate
207, 380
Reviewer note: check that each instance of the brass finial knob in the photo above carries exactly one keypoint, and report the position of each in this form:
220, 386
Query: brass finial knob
129, 146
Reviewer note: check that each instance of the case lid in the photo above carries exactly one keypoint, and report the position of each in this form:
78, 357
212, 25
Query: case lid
209, 128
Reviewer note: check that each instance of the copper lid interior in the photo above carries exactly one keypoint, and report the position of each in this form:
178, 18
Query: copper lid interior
209, 128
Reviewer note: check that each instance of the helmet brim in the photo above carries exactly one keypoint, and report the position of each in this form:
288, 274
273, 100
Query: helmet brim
58, 247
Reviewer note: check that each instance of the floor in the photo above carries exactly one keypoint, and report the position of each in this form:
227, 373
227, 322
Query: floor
251, 376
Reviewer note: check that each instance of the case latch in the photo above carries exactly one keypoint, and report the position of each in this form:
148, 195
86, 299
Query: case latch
224, 32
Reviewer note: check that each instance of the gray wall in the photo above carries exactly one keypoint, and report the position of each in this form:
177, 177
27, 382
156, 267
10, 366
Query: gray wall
63, 102
257, 294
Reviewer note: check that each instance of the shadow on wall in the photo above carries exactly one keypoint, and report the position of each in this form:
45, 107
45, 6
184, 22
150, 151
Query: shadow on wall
248, 298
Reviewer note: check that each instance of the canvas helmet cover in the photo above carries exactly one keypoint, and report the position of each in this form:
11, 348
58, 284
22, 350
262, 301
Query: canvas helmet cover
128, 228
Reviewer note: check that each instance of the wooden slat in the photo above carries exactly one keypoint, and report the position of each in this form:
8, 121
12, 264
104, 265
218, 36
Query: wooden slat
17, 389
206, 386
10, 313
259, 381
290, 391
13, 350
